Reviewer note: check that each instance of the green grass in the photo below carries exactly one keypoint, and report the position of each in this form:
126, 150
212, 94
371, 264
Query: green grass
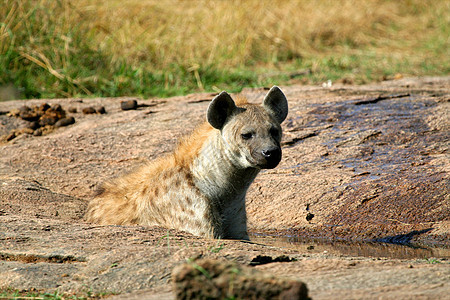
217, 248
433, 261
150, 48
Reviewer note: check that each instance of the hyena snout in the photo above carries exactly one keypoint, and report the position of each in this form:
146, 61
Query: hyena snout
268, 157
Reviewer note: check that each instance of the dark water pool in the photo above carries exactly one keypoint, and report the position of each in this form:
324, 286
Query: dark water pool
361, 249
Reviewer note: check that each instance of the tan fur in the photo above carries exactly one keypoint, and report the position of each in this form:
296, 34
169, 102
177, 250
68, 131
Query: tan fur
201, 186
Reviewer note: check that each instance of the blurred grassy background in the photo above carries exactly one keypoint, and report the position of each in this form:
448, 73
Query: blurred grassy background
51, 48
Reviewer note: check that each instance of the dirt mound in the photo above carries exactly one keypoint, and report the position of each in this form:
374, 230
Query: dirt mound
210, 279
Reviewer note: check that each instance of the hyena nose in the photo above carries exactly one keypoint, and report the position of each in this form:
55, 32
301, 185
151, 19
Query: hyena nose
270, 153
269, 157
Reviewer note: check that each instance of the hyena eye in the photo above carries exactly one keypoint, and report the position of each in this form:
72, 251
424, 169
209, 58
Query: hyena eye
247, 135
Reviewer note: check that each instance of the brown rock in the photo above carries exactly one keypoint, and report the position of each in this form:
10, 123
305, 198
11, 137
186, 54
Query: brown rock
44, 107
33, 125
100, 110
88, 110
24, 108
65, 122
57, 107
128, 105
47, 120
38, 132
29, 115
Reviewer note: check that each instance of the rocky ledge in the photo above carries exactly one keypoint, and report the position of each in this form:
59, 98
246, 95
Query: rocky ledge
360, 163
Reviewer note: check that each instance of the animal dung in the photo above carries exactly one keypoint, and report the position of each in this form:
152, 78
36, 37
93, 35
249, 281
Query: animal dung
43, 118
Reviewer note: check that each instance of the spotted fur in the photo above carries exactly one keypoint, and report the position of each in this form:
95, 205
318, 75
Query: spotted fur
200, 187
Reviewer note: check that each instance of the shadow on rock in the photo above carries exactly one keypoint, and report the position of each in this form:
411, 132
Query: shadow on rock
402, 239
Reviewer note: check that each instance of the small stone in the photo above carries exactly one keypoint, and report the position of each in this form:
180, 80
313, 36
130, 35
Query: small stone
29, 115
56, 111
309, 216
57, 107
47, 120
24, 109
65, 122
33, 125
261, 260
88, 110
100, 110
128, 105
44, 107
38, 132
72, 110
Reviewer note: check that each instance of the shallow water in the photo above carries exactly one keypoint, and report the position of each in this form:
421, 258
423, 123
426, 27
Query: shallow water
359, 249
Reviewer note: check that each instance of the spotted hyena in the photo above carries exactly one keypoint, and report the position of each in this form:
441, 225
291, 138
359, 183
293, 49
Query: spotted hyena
200, 187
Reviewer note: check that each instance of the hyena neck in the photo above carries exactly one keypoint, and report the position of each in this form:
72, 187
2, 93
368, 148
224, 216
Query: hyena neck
217, 175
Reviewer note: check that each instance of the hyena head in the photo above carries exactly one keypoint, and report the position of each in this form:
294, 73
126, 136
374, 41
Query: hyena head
251, 133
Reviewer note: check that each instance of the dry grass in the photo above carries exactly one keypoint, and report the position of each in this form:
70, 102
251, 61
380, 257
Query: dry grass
200, 42
236, 33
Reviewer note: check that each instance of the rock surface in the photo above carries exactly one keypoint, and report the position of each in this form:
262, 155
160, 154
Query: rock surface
368, 162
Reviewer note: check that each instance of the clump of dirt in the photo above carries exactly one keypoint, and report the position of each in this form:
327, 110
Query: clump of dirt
212, 279
94, 110
42, 119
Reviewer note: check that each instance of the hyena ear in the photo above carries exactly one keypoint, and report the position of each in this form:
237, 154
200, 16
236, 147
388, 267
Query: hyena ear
275, 103
220, 108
